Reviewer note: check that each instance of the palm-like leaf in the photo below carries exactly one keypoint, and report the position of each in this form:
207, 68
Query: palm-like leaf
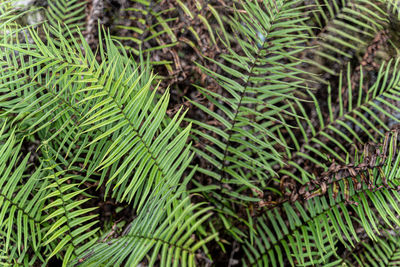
150, 25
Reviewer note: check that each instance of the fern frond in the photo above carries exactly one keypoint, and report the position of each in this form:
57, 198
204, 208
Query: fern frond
109, 102
280, 180
346, 28
69, 13
358, 117
168, 32
384, 251
71, 227
307, 232
19, 203
256, 83
155, 235
9, 15
98, 122
393, 7
149, 25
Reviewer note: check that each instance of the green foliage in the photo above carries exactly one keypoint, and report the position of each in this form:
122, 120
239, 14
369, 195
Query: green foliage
155, 233
155, 26
271, 128
348, 28
69, 13
252, 98
144, 31
382, 252
294, 159
364, 109
327, 219
96, 122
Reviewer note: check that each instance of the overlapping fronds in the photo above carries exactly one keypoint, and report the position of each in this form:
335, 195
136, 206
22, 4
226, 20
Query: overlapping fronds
393, 6
260, 134
44, 211
163, 237
309, 232
93, 172
9, 14
110, 102
362, 112
98, 123
71, 227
